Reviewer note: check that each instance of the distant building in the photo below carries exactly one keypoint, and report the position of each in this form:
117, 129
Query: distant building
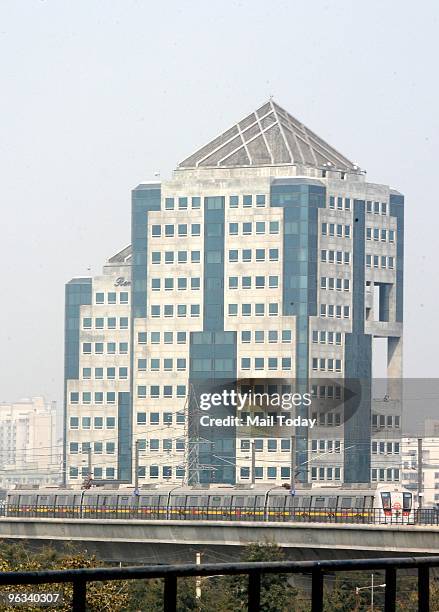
430, 468
30, 448
266, 258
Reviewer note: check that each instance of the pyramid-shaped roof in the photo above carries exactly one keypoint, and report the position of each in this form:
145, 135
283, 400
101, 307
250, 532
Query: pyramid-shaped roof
269, 136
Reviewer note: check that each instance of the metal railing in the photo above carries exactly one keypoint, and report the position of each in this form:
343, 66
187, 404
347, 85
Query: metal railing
243, 513
170, 573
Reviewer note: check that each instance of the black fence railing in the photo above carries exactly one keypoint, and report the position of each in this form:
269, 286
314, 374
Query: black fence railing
203, 513
170, 573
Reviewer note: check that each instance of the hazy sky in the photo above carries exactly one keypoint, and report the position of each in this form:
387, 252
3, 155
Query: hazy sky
96, 96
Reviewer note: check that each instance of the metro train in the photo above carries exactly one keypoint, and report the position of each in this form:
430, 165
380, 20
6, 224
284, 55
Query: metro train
384, 503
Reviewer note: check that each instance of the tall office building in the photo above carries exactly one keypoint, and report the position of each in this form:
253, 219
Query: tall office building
266, 263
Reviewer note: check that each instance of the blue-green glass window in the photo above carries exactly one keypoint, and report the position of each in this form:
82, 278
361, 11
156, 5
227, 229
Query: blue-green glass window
86, 323
182, 229
182, 256
97, 471
260, 227
110, 447
340, 203
74, 447
195, 256
286, 335
246, 336
271, 472
168, 310
182, 203
141, 391
233, 310
99, 348
155, 284
259, 473
347, 204
169, 203
141, 418
284, 472
112, 297
233, 282
246, 255
169, 284
73, 472
181, 364
274, 227
168, 337
273, 282
156, 257
109, 472
123, 322
179, 445
214, 229
272, 335
156, 231
181, 310
247, 229
246, 282
141, 365
155, 391
86, 422
260, 282
169, 257
331, 202
99, 397
383, 208
247, 201
74, 422
245, 472
195, 229
111, 373
272, 446
259, 336
154, 444
246, 310
167, 444
273, 309
196, 202
169, 231
99, 373
181, 391
214, 257
259, 445
195, 284
182, 283
167, 391
111, 398
195, 310
260, 200
167, 364
100, 298
259, 310
234, 201
286, 363
214, 203
142, 337
245, 363
74, 397
181, 337
179, 418
141, 444
123, 373
86, 373
233, 255
167, 471
274, 254
111, 322
86, 348
233, 229
155, 310
154, 471
155, 337
285, 445
259, 363
376, 208
260, 254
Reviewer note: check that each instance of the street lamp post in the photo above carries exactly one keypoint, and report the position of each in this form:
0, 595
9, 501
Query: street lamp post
372, 587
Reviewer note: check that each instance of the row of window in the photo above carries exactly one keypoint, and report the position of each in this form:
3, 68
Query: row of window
105, 323
257, 282
325, 473
339, 203
166, 445
385, 475
215, 203
86, 421
335, 284
167, 364
111, 297
262, 363
380, 261
271, 336
171, 310
248, 255
270, 473
168, 284
386, 420
87, 348
385, 448
258, 310
167, 391
327, 419
336, 230
182, 202
335, 310
326, 365
170, 257
378, 234
168, 337
376, 208
97, 472
158, 418
170, 230
272, 445
327, 391
87, 396
97, 447
326, 337
258, 227
247, 201
338, 257
325, 446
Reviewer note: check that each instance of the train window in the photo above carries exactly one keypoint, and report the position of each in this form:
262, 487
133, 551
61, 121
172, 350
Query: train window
259, 501
155, 501
124, 500
359, 502
204, 501
385, 498
238, 501
368, 502
62, 500
145, 500
332, 502
277, 501
193, 500
43, 500
319, 502
102, 500
26, 499
76, 500
406, 501
111, 500
227, 500
179, 500
13, 499
90, 500
305, 501
215, 501
251, 501
346, 502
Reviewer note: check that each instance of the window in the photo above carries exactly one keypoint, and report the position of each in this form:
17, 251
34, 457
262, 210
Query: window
286, 363
156, 231
181, 337
195, 256
246, 229
111, 322
98, 422
246, 336
195, 229
100, 298
99, 397
273, 282
233, 255
233, 229
123, 322
247, 201
233, 201
273, 310
271, 473
260, 254
246, 255
74, 397
169, 284
86, 323
182, 203
274, 254
156, 257
272, 336
259, 310
155, 284
246, 282
246, 310
86, 422
182, 257
274, 227
169, 257
141, 418
86, 348
259, 336
196, 202
245, 363
169, 203
86, 373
